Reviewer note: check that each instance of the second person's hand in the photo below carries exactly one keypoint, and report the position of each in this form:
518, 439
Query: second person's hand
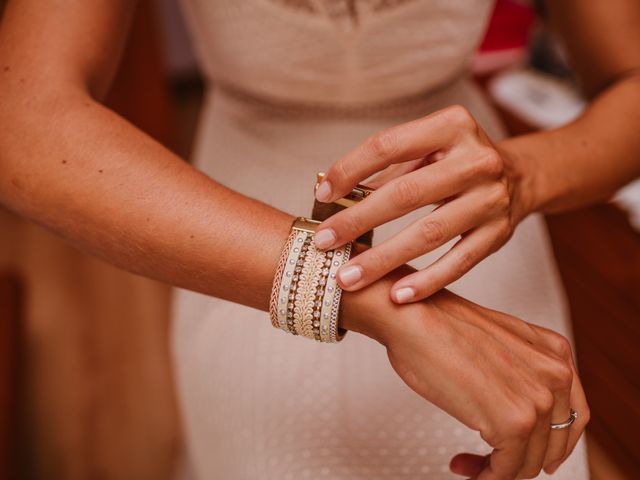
444, 158
498, 375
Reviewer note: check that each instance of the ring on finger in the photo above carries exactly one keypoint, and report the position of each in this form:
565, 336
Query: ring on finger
567, 423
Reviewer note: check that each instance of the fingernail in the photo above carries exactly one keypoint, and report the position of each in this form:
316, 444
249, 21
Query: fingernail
404, 294
350, 274
324, 238
323, 193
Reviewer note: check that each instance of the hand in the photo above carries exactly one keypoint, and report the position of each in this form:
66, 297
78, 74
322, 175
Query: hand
442, 158
496, 374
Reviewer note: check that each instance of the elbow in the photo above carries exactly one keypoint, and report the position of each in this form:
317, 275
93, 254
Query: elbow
29, 92
627, 77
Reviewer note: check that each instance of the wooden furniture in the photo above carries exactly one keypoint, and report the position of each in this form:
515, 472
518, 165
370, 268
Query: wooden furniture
10, 341
598, 255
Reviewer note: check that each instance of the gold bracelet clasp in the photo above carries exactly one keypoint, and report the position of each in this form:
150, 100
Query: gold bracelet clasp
305, 224
359, 193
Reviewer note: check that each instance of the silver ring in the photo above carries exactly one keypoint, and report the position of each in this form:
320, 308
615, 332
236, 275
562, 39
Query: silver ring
566, 424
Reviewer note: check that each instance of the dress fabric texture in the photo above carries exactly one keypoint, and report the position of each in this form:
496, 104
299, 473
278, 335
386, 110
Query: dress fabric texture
296, 84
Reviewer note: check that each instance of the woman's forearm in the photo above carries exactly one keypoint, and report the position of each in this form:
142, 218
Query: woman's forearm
587, 160
69, 163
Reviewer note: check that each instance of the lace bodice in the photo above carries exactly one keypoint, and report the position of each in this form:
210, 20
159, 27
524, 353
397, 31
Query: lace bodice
335, 52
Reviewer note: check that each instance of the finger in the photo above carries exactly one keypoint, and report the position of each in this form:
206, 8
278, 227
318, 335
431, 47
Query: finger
538, 442
394, 199
398, 169
394, 171
558, 439
422, 236
560, 379
579, 404
504, 464
462, 257
512, 426
561, 348
405, 142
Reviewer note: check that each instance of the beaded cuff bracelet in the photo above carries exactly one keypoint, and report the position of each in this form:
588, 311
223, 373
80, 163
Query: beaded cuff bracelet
305, 297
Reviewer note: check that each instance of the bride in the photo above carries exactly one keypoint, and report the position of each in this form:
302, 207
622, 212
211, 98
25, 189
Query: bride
296, 84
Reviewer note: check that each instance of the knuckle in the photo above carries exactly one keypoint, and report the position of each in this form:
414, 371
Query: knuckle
432, 232
374, 261
505, 230
560, 345
490, 162
465, 261
544, 402
490, 434
461, 116
354, 226
342, 169
562, 375
406, 194
383, 144
522, 422
498, 198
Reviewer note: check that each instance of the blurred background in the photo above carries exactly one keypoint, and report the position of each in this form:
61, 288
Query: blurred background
86, 386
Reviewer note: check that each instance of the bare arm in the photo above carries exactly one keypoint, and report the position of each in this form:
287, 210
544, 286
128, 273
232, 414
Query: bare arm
76, 167
591, 158
486, 189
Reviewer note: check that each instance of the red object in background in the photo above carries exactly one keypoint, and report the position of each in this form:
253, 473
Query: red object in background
507, 37
509, 27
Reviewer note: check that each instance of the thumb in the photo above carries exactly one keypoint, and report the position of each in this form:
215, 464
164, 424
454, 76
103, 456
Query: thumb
468, 464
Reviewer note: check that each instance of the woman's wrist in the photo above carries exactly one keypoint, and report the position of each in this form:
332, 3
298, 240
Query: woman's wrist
528, 177
370, 310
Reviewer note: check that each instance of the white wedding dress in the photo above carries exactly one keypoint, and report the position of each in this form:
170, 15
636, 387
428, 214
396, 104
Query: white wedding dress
296, 84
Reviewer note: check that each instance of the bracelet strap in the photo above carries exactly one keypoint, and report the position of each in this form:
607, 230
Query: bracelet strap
305, 297
277, 301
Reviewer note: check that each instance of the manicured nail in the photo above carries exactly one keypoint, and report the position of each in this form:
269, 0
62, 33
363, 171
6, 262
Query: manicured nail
323, 193
405, 294
324, 238
350, 274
